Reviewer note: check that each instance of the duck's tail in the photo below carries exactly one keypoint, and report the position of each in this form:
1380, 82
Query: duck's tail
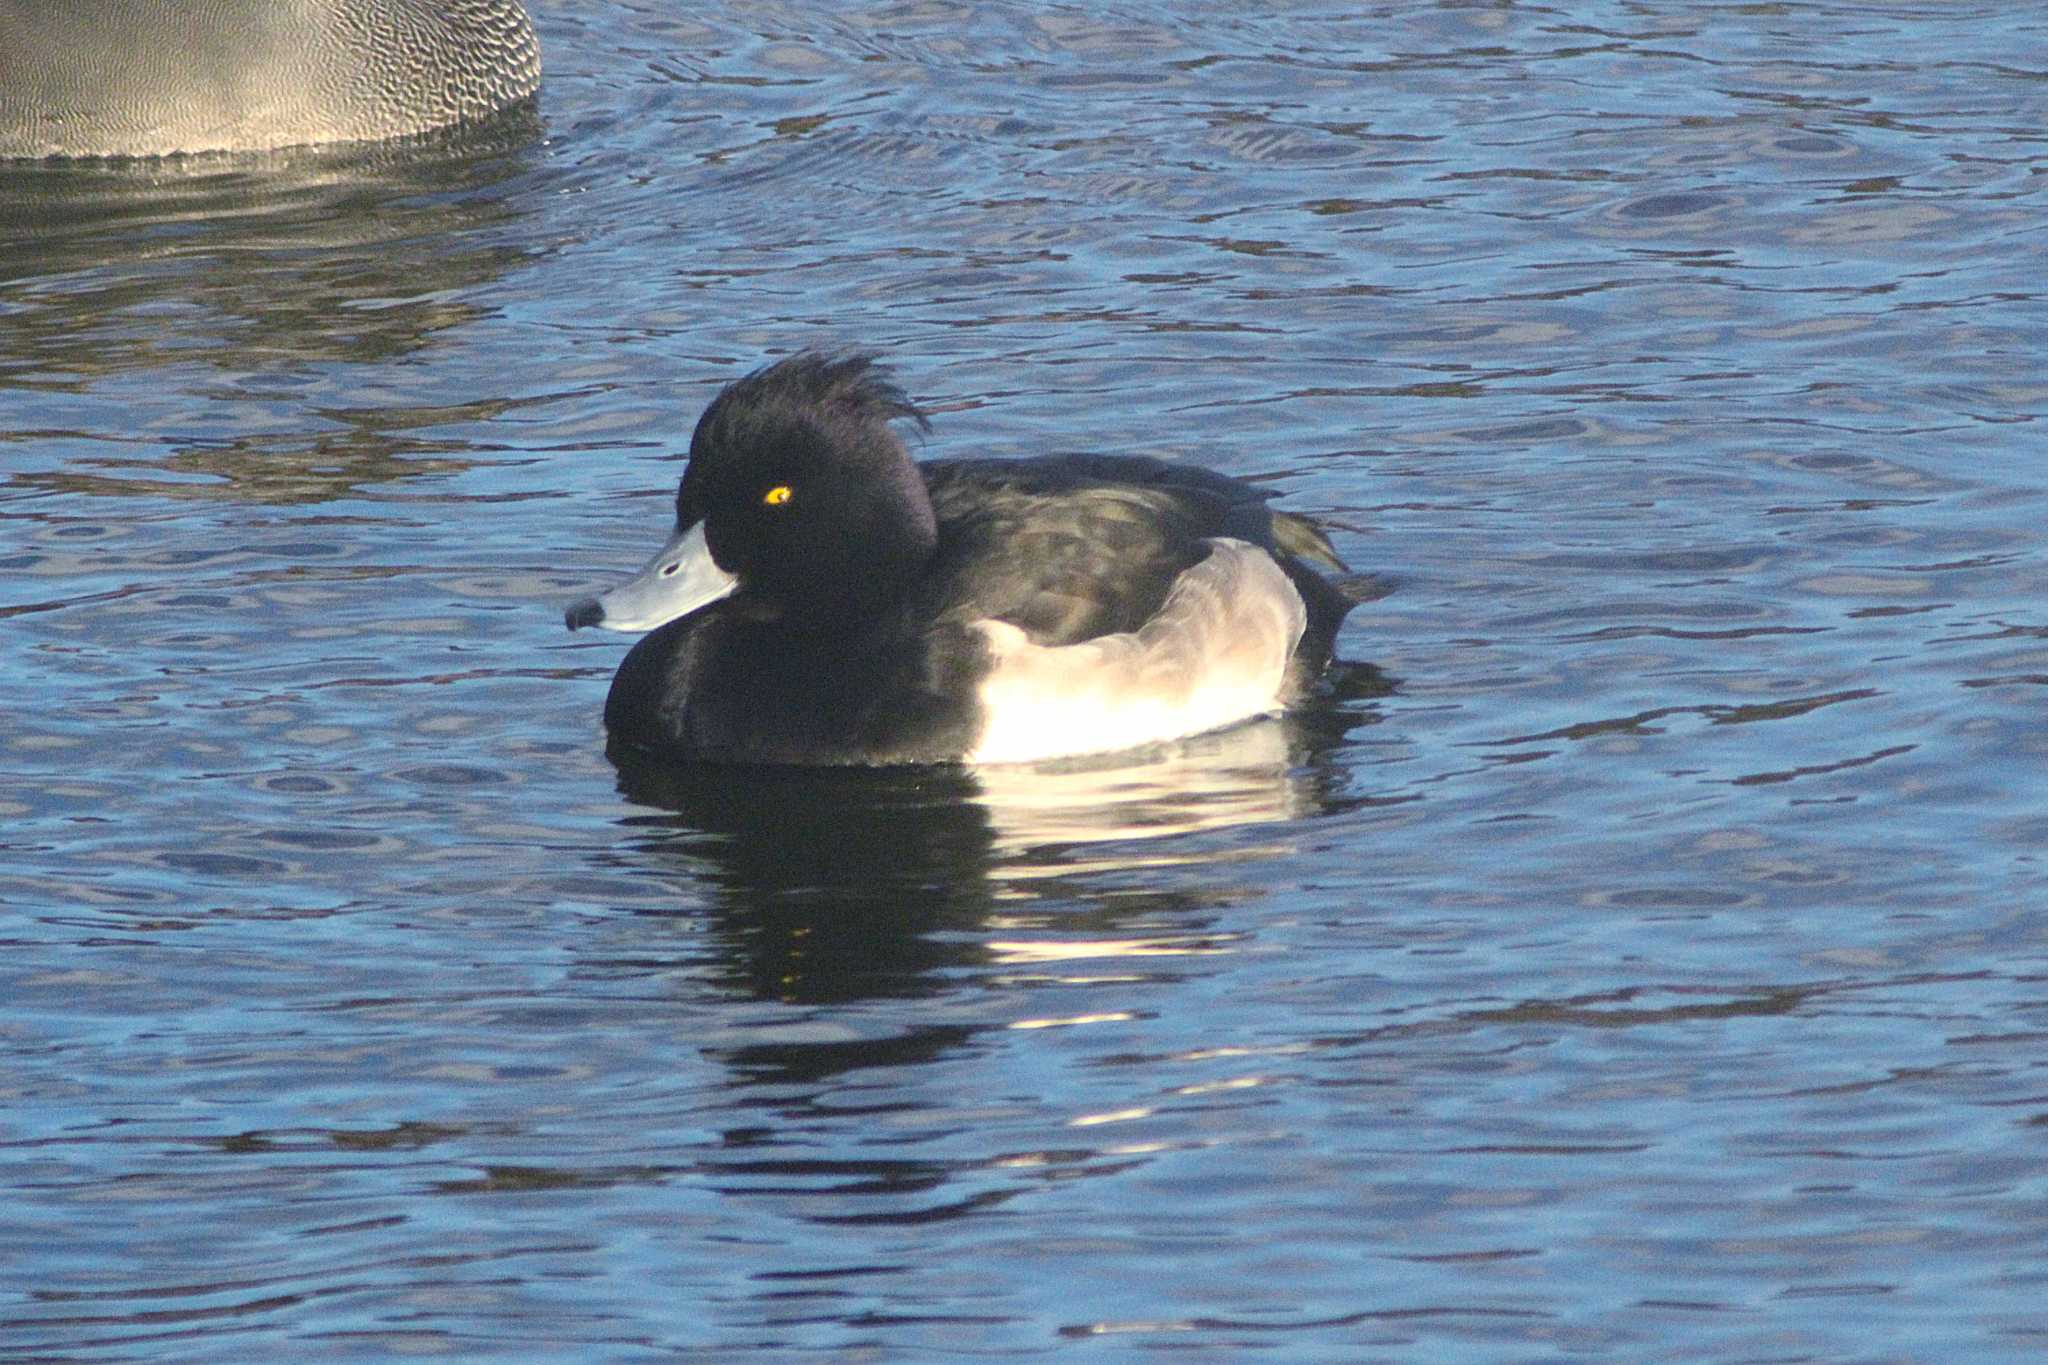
1304, 539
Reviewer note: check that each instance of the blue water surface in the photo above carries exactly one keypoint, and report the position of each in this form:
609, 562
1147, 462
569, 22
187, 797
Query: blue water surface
1646, 963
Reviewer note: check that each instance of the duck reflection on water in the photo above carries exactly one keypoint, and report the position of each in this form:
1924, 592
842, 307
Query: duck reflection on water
845, 883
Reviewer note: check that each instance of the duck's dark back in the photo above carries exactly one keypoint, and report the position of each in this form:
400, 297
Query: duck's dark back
1070, 547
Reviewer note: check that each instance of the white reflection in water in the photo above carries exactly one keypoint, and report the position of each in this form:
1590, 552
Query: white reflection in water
1245, 775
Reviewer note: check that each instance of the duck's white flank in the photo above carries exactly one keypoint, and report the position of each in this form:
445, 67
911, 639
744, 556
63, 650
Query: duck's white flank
1215, 654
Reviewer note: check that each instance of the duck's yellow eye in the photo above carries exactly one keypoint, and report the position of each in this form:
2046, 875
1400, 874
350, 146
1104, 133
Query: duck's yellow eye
777, 495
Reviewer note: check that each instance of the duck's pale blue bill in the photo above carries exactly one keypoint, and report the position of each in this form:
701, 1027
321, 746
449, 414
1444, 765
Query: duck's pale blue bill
682, 578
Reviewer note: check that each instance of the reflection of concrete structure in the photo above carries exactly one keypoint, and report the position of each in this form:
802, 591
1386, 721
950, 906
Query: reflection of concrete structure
86, 78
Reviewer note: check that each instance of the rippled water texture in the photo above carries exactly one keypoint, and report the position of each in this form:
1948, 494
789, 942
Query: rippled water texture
1654, 973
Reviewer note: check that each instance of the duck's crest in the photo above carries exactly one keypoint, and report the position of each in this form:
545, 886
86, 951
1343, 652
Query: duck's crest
847, 388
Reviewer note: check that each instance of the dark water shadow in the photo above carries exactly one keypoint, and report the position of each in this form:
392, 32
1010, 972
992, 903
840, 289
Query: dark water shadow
198, 305
269, 256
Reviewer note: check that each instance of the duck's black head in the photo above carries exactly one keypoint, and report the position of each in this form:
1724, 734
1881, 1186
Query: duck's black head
799, 504
804, 492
